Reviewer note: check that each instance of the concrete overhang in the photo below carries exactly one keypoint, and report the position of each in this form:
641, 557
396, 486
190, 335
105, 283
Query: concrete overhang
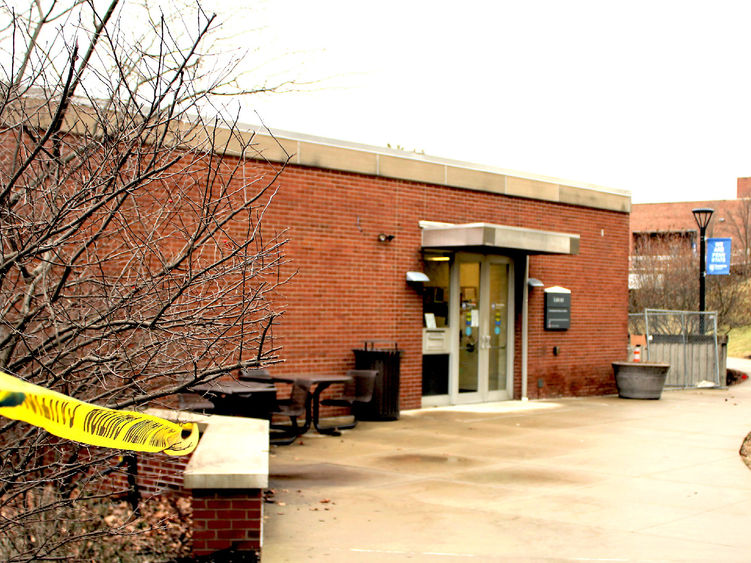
497, 238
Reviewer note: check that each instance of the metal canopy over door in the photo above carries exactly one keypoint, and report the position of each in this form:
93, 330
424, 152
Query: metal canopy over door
482, 302
475, 361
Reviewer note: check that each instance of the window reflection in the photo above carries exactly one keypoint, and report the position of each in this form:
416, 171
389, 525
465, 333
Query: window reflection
435, 298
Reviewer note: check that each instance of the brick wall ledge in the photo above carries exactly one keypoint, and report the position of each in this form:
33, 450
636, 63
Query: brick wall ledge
233, 452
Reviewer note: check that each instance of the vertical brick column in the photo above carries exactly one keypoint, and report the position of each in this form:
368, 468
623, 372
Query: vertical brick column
227, 519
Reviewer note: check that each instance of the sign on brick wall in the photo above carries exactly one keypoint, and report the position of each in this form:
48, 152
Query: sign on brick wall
557, 308
718, 256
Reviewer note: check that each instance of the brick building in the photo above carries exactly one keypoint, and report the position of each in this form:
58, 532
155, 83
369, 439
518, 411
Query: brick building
366, 224
674, 222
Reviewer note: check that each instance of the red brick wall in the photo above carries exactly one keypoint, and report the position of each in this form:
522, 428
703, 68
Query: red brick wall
677, 216
224, 519
159, 473
221, 519
598, 335
350, 288
744, 188
156, 474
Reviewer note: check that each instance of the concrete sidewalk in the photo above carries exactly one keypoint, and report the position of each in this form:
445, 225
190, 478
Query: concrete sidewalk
574, 479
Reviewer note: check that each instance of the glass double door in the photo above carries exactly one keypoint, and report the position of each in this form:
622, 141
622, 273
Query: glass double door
483, 298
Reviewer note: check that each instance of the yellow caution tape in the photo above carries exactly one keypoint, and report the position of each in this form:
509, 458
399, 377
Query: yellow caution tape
90, 424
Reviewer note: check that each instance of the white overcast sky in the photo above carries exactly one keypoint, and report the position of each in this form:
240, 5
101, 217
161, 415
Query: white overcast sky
646, 96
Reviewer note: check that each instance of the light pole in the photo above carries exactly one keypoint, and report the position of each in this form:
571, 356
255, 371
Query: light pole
702, 215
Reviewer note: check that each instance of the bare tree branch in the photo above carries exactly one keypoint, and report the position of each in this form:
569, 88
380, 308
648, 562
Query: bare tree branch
133, 257
666, 271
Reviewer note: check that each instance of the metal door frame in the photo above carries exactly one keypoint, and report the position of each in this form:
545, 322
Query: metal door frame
483, 394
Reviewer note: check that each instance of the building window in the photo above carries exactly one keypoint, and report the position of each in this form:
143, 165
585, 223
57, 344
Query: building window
435, 299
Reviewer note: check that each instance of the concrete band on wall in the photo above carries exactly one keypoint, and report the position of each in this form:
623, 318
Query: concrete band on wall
318, 152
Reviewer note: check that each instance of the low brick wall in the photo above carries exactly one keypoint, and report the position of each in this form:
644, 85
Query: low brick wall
225, 477
227, 519
160, 473
146, 475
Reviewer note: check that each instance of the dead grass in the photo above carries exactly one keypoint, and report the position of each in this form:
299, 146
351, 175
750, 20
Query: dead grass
104, 531
739, 342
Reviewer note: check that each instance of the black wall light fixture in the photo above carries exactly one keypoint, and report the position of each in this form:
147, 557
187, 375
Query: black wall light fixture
383, 237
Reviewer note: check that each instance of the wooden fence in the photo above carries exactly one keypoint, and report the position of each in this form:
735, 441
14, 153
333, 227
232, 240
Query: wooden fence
695, 360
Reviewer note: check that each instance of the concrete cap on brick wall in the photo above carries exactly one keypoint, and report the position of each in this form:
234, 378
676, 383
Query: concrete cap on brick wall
233, 452
345, 156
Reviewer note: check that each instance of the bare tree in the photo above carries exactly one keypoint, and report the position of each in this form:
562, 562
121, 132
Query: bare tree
666, 272
133, 262
739, 218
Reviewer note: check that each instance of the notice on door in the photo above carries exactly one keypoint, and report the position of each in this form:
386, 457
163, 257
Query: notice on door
557, 308
475, 318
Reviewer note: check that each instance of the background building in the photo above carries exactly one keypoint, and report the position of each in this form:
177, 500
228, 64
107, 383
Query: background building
665, 257
674, 223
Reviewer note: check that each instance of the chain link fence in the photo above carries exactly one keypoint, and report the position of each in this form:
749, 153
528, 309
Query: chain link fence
688, 341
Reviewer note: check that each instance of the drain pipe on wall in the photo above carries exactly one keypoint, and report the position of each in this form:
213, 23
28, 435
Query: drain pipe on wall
525, 326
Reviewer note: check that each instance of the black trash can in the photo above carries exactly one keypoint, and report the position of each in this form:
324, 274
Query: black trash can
385, 360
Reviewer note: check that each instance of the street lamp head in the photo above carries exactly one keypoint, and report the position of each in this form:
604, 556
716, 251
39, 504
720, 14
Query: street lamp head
702, 215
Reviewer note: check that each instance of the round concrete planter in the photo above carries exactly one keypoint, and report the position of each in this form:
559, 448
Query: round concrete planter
640, 380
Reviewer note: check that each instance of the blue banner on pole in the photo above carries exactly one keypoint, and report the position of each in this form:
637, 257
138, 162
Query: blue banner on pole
718, 256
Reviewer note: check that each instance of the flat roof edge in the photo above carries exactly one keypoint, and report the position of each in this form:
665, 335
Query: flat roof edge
319, 152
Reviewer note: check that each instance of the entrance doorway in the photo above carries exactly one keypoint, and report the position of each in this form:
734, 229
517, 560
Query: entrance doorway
468, 335
484, 299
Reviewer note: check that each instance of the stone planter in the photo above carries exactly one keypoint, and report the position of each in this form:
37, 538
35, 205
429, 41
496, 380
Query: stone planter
640, 380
